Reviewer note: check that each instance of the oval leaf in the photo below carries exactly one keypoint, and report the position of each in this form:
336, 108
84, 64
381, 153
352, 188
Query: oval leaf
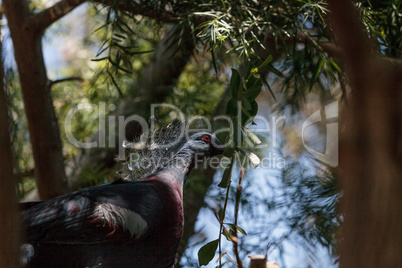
238, 229
207, 252
255, 160
265, 63
228, 152
227, 175
252, 136
231, 107
220, 214
254, 108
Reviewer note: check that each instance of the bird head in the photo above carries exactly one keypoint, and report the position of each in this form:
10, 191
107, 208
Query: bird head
205, 143
163, 146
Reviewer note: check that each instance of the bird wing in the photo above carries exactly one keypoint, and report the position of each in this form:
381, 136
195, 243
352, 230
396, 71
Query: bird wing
116, 211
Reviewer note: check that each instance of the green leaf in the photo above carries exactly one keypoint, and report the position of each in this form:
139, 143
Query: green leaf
214, 61
254, 159
246, 115
115, 83
268, 86
275, 71
246, 104
207, 252
333, 64
231, 107
252, 136
239, 230
251, 81
226, 233
100, 59
220, 214
227, 175
234, 83
254, 108
142, 52
254, 90
317, 72
228, 152
265, 63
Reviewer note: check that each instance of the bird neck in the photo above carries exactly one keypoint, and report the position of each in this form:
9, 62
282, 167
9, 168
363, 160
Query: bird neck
180, 165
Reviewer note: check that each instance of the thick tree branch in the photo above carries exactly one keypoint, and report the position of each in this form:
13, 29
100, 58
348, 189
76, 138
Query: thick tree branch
44, 132
48, 16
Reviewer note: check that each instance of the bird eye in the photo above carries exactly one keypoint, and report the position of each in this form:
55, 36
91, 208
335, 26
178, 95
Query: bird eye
206, 138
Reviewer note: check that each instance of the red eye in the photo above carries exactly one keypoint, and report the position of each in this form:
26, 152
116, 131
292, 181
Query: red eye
206, 138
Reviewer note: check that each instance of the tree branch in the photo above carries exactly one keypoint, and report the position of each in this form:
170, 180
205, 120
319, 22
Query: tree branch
45, 18
300, 37
73, 78
328, 47
141, 8
235, 240
331, 49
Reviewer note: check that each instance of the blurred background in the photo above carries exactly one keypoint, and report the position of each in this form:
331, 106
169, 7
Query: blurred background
123, 56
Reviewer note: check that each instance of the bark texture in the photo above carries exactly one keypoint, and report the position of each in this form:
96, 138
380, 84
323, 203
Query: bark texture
370, 152
42, 122
9, 219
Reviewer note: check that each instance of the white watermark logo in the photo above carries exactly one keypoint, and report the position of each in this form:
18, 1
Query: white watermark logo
330, 156
112, 130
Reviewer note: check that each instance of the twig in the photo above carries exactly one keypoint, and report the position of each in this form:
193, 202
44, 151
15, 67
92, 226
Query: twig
328, 47
301, 37
27, 173
73, 78
275, 246
221, 227
332, 49
224, 214
236, 241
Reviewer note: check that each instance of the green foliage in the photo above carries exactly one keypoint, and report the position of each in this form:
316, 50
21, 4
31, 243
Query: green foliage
233, 227
126, 45
227, 175
197, 86
241, 108
23, 163
383, 21
207, 252
313, 202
